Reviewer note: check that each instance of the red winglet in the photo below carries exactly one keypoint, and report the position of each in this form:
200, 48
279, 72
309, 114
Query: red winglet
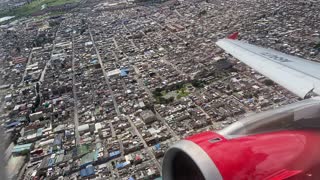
234, 36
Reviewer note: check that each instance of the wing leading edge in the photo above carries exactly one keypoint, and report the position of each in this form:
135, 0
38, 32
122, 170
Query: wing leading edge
298, 75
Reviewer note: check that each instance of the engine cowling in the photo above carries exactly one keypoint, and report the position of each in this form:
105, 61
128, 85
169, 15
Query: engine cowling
277, 144
209, 155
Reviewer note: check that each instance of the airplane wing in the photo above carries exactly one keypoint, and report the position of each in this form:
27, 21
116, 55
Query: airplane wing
300, 76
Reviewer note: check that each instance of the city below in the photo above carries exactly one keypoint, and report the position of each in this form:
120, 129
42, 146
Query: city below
100, 89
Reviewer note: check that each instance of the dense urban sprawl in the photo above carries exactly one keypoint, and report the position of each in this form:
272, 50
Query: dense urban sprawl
103, 90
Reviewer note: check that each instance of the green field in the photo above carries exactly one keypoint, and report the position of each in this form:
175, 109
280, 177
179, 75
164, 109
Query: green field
33, 7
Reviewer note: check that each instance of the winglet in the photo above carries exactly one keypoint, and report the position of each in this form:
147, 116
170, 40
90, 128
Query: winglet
233, 36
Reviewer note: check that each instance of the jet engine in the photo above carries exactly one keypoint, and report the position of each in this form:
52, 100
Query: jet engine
279, 144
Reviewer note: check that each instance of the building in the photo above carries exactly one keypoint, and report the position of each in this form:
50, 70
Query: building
148, 116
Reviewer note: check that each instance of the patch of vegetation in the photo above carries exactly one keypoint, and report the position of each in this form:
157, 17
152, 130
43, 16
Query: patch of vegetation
175, 91
162, 100
163, 93
268, 82
54, 23
56, 13
59, 2
317, 46
36, 104
197, 83
158, 94
169, 94
41, 40
202, 13
182, 92
33, 7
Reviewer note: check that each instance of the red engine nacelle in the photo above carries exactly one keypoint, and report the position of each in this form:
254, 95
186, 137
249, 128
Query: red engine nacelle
283, 143
275, 155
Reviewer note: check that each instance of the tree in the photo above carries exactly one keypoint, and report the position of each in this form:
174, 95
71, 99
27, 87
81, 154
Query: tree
197, 83
171, 99
37, 87
202, 13
157, 92
54, 23
36, 103
268, 82
179, 86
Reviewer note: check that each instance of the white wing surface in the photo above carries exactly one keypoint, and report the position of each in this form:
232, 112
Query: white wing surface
298, 75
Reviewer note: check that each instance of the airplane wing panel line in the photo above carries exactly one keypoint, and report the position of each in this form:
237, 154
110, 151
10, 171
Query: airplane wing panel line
296, 74
282, 64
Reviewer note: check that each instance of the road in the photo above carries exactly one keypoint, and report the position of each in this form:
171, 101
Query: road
112, 130
115, 104
176, 11
105, 74
124, 86
113, 173
164, 60
176, 137
75, 98
173, 134
145, 144
2, 101
184, 41
28, 62
25, 71
141, 84
131, 41
49, 61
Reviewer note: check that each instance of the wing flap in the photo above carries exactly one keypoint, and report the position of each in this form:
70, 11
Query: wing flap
295, 74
